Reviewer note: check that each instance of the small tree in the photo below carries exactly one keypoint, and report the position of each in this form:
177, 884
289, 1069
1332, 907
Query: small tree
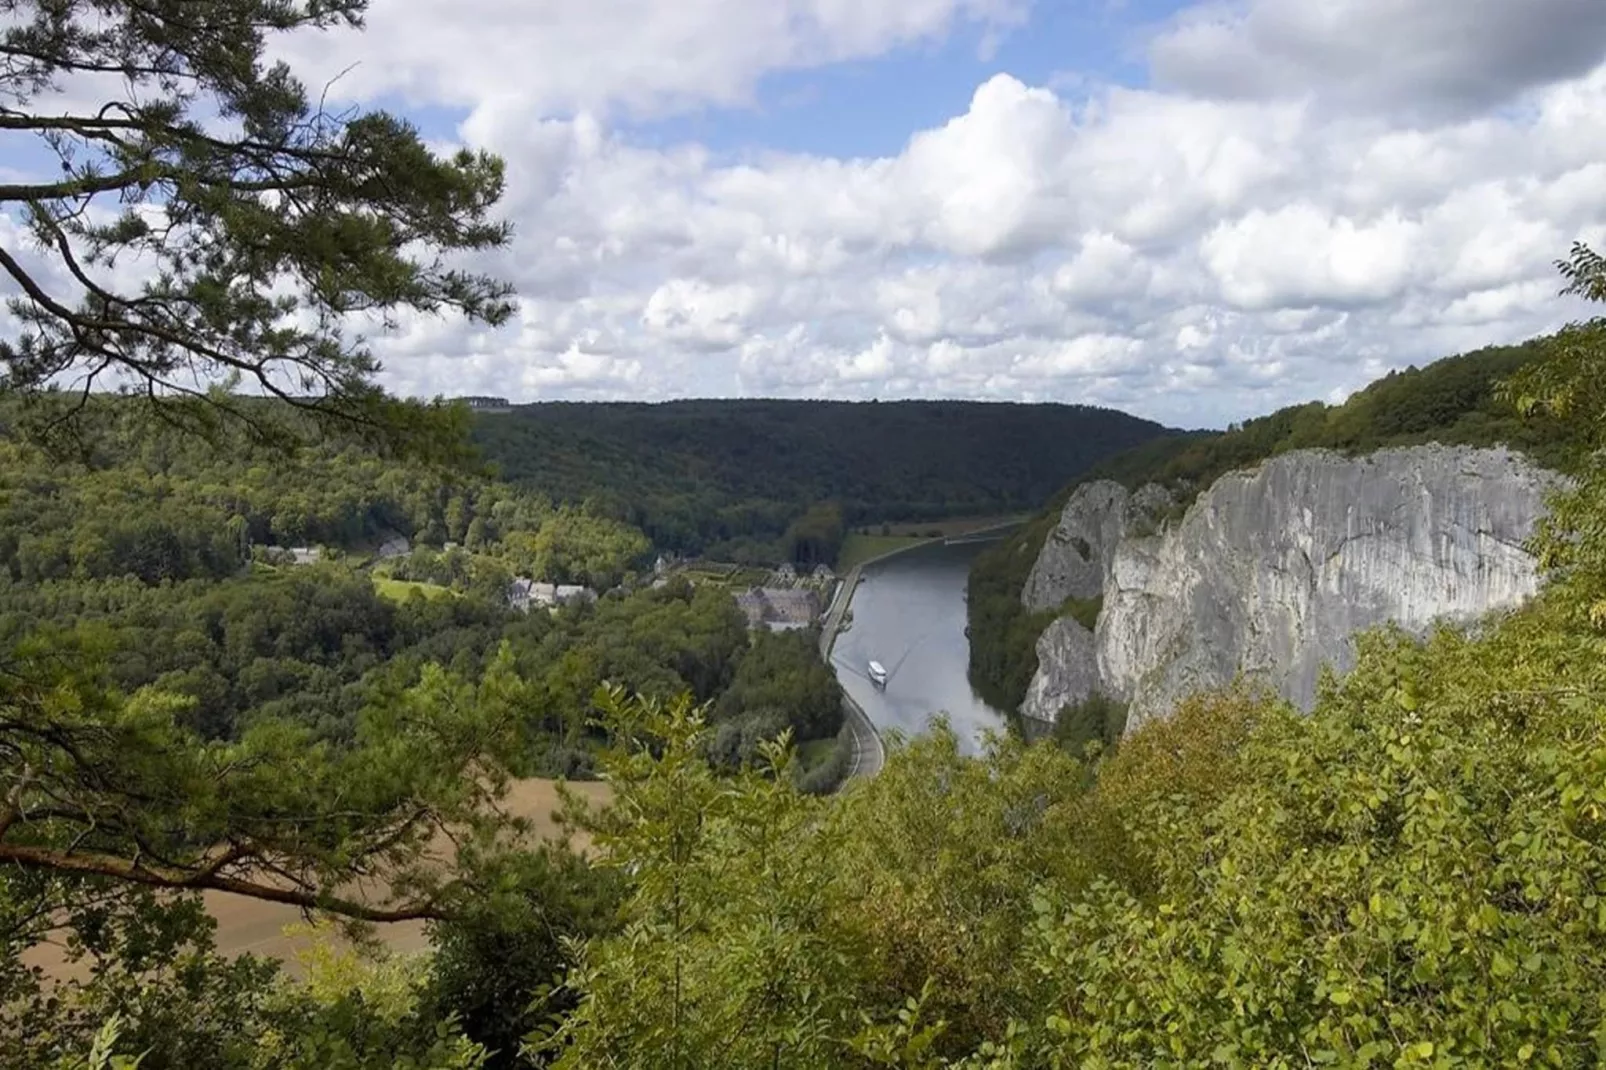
1569, 383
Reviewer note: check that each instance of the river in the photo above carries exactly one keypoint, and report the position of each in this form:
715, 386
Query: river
909, 614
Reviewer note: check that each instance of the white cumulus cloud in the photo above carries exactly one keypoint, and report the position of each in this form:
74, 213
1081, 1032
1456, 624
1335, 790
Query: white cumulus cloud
642, 56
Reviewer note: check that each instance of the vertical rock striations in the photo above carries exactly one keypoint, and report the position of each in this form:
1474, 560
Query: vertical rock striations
1273, 570
1076, 558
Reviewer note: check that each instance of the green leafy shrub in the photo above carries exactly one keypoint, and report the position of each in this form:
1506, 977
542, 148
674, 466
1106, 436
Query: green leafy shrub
1099, 719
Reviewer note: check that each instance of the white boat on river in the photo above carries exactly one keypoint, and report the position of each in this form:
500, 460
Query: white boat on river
878, 674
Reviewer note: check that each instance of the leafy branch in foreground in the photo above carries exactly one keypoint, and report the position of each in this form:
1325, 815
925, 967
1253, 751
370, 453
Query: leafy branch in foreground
96, 785
1569, 385
258, 221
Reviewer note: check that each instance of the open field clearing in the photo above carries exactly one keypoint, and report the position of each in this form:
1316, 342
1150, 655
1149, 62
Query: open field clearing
260, 928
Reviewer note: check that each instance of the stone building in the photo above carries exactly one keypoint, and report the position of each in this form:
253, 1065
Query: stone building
779, 608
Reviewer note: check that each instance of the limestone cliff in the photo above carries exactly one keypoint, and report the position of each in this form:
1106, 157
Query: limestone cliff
1272, 570
1067, 673
1077, 556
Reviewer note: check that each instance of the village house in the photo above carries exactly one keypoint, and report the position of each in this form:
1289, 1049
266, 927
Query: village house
293, 555
525, 594
394, 546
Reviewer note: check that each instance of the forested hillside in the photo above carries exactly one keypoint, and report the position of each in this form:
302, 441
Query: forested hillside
143, 499
1453, 401
173, 552
729, 478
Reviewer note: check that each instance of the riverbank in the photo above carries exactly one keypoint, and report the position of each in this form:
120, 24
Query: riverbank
842, 599
860, 548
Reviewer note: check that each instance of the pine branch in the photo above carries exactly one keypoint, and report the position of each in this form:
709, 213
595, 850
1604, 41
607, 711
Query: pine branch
95, 864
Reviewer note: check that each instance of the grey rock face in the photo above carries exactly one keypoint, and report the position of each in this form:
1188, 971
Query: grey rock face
1273, 570
1067, 670
1076, 558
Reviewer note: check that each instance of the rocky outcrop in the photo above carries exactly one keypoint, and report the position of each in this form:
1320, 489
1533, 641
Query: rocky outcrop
1077, 556
1068, 650
1273, 570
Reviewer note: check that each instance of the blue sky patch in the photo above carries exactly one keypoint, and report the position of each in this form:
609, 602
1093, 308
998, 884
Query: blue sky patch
870, 108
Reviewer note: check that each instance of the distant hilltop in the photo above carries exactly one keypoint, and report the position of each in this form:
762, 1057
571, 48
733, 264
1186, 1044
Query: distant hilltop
733, 479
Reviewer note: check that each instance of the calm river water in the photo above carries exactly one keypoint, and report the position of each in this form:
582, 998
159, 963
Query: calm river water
909, 614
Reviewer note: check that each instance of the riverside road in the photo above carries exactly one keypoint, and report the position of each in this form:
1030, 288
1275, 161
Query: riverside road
868, 751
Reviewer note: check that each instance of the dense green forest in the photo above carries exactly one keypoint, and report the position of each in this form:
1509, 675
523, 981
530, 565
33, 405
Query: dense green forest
1452, 401
167, 549
734, 479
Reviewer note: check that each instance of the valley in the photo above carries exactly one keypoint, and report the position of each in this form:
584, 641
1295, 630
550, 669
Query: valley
946, 536
357, 667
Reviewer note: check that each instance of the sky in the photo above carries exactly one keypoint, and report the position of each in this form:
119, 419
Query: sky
1193, 212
